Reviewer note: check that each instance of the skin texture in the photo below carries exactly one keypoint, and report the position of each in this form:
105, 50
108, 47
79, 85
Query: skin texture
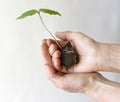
87, 57
82, 77
93, 55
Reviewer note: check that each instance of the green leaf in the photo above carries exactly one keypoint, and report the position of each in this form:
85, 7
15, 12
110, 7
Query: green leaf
27, 13
48, 11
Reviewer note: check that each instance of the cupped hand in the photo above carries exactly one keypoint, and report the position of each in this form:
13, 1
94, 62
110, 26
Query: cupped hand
71, 82
85, 47
92, 84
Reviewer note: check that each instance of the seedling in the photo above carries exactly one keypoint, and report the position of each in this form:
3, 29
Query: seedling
68, 54
47, 11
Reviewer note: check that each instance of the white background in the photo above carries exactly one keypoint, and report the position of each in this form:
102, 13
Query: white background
22, 77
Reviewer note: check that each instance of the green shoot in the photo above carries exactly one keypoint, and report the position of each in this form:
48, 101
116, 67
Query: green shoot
47, 11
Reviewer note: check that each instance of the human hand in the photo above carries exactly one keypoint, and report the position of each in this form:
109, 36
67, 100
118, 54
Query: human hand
93, 55
91, 84
85, 47
75, 82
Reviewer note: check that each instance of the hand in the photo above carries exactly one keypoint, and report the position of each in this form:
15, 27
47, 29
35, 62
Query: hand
93, 55
91, 84
68, 82
85, 46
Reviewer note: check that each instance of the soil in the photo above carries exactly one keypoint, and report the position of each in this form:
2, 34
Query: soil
69, 56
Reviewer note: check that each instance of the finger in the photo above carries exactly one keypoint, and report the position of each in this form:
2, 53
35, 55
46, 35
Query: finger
64, 35
57, 54
50, 70
45, 53
52, 48
56, 60
51, 41
54, 76
57, 64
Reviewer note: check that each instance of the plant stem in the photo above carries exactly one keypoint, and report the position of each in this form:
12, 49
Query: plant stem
49, 31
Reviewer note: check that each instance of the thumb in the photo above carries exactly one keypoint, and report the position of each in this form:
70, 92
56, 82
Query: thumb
65, 35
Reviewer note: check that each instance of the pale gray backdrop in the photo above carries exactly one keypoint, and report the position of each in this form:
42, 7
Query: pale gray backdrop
22, 77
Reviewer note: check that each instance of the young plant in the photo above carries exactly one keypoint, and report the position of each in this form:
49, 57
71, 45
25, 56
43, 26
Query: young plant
68, 54
47, 11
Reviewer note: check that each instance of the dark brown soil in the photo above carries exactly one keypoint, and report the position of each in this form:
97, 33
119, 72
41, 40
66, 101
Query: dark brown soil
69, 56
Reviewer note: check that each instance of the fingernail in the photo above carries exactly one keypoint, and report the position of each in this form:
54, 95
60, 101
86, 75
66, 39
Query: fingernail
44, 40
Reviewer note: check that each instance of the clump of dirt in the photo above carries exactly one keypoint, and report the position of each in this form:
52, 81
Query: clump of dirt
69, 56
